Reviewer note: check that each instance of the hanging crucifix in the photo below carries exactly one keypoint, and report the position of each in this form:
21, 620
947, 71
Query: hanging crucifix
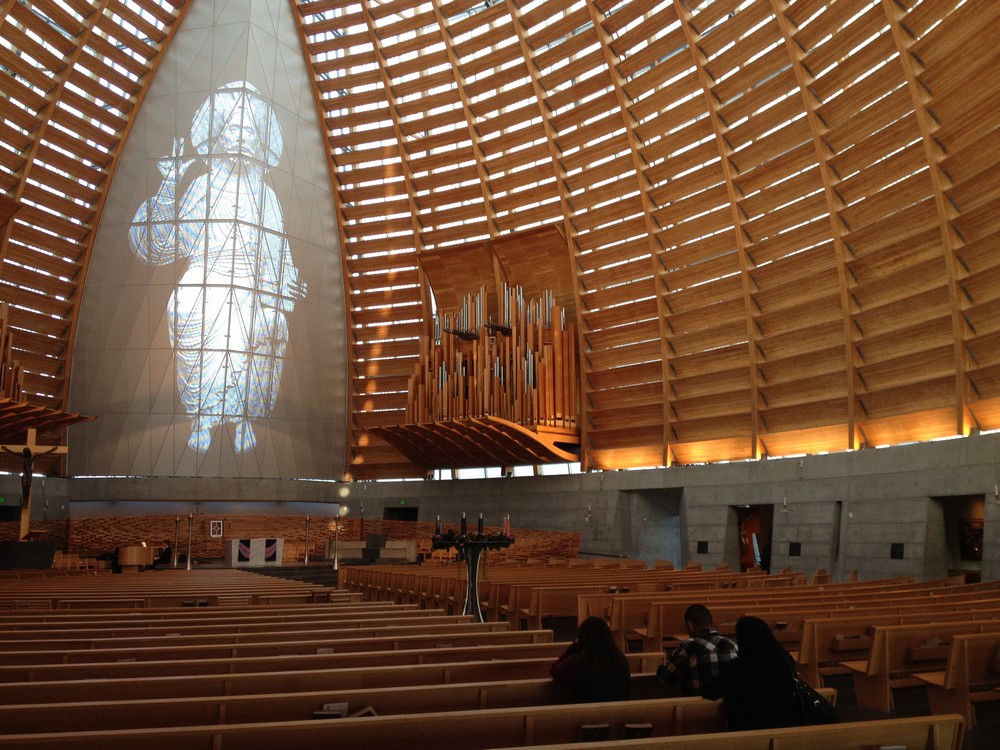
29, 452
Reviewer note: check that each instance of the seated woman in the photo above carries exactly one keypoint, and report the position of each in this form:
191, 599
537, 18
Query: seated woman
593, 668
758, 686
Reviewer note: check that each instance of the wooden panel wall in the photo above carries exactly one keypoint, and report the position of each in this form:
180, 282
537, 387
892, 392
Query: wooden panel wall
73, 74
779, 230
782, 218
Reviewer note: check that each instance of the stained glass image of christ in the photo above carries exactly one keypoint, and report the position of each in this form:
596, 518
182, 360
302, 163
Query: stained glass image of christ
228, 314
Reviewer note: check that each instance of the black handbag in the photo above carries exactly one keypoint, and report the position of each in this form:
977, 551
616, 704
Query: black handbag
812, 707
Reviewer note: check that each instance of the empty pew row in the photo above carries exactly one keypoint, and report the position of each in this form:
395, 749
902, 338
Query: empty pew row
180, 679
238, 624
225, 616
491, 728
145, 598
356, 676
152, 579
433, 586
27, 661
435, 653
128, 600
440, 587
305, 639
924, 732
291, 705
899, 652
384, 581
681, 723
971, 675
229, 586
825, 642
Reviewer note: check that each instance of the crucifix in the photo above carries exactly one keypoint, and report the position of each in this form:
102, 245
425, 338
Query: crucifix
28, 452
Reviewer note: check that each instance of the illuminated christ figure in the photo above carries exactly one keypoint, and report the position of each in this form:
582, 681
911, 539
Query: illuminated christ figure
228, 313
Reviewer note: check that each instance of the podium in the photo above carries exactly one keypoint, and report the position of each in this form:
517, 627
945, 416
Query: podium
254, 553
130, 559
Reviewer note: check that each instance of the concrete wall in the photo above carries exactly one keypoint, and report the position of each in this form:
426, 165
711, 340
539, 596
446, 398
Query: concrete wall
845, 511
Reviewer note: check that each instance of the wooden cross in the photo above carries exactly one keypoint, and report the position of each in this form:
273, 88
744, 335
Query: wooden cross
34, 450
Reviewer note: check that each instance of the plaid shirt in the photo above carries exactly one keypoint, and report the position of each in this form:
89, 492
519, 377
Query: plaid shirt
697, 661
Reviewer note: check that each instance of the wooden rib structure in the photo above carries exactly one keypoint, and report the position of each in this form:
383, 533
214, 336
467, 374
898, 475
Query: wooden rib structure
781, 219
19, 419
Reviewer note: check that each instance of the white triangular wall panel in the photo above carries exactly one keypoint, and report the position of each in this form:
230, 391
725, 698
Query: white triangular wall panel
164, 448
123, 340
162, 376
268, 15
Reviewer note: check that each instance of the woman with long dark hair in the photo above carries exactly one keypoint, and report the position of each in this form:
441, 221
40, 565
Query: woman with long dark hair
593, 668
759, 685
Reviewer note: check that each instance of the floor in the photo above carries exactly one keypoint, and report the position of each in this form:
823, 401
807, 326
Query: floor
913, 702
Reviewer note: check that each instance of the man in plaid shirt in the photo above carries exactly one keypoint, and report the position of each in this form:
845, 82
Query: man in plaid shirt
699, 659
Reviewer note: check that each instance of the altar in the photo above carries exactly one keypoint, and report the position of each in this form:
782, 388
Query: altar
254, 553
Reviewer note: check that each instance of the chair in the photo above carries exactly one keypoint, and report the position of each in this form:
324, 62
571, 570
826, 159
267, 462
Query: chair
424, 550
444, 556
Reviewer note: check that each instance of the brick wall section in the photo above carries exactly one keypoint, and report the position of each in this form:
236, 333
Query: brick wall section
91, 537
55, 531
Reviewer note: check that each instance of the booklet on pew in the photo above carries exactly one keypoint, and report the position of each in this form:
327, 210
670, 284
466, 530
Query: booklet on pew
340, 710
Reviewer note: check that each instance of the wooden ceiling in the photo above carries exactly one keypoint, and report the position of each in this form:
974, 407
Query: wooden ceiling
782, 219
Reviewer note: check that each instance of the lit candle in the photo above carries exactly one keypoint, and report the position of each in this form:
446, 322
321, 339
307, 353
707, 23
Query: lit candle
480, 528
463, 525
506, 525
437, 526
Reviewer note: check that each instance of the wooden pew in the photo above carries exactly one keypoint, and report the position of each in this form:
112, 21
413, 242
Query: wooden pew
826, 642
898, 652
133, 680
90, 715
676, 723
230, 586
549, 601
433, 586
489, 728
27, 660
521, 598
632, 616
63, 648
238, 624
789, 624
923, 732
228, 616
971, 675
613, 581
